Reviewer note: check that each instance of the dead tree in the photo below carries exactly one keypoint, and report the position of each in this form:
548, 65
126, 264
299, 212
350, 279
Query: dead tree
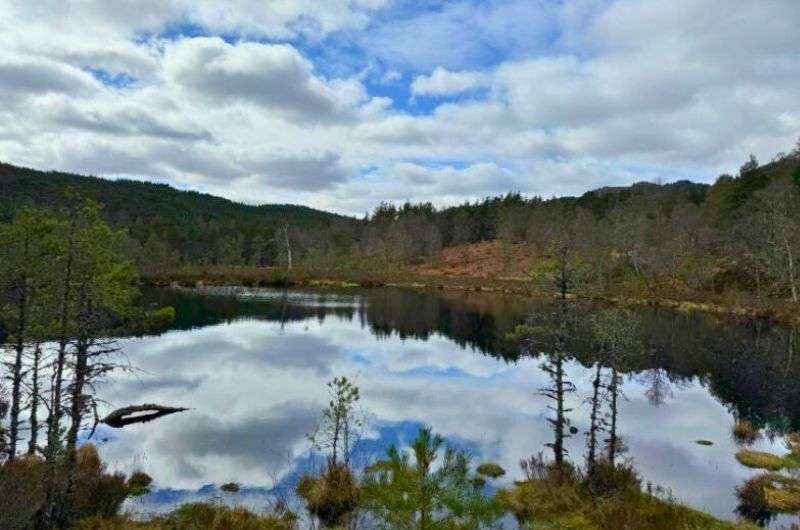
33, 440
595, 424
133, 414
288, 244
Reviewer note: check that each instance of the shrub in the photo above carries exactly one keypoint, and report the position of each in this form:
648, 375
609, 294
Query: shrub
139, 484
96, 492
230, 487
744, 432
331, 497
197, 516
490, 470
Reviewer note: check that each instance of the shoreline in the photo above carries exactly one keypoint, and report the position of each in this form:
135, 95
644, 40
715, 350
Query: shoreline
775, 311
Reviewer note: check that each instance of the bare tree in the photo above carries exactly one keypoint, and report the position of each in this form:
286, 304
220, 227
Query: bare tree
339, 426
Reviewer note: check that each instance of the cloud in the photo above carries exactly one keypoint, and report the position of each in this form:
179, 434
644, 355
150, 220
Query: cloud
261, 441
24, 76
274, 76
442, 82
341, 104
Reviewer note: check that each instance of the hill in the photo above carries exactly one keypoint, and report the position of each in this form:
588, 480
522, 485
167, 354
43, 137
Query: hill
202, 228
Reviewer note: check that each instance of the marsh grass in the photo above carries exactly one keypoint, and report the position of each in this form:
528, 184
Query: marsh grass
198, 516
552, 498
331, 497
768, 461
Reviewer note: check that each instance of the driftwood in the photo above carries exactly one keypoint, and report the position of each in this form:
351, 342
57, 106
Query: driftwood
138, 414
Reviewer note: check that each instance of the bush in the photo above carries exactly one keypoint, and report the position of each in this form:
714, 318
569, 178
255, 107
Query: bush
96, 492
562, 497
331, 497
490, 470
744, 432
197, 516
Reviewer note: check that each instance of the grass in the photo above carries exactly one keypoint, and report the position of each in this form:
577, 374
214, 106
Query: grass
613, 500
197, 516
370, 275
760, 460
768, 461
541, 505
769, 493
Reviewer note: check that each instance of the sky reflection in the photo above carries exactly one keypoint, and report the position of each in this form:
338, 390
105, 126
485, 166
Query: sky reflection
256, 387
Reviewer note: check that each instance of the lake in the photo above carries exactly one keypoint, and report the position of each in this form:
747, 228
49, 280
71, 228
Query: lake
252, 365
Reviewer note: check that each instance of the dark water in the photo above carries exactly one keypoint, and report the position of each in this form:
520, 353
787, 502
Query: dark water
253, 365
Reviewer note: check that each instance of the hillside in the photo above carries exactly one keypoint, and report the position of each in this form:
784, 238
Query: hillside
200, 227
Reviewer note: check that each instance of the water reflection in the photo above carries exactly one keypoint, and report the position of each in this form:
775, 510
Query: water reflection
253, 368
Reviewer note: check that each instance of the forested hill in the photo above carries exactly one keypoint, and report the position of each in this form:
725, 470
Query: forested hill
742, 233
200, 227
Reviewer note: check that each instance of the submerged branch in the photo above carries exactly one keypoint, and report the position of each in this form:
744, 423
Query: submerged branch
138, 414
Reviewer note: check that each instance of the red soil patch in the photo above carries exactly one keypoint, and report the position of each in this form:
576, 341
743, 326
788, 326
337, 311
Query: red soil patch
487, 259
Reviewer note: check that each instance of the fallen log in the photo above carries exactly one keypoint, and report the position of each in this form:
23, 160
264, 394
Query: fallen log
138, 414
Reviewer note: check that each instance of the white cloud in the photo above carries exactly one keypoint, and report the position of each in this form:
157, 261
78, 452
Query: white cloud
541, 97
442, 82
275, 76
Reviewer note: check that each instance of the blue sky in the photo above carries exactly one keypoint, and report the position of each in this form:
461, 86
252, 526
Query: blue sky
345, 103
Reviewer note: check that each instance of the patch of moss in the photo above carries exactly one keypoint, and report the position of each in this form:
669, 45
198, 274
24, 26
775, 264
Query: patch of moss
491, 470
230, 487
553, 500
768, 461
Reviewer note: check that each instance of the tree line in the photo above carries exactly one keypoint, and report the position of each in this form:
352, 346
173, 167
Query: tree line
66, 286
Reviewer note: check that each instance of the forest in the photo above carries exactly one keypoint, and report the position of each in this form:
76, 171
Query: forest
736, 242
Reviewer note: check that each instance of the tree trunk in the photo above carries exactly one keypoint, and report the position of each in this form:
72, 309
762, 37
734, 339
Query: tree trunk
45, 516
593, 423
19, 350
34, 417
77, 407
558, 445
792, 280
288, 247
612, 438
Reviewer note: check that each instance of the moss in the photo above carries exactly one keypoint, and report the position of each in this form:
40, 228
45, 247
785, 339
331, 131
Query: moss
230, 487
491, 470
768, 461
568, 501
218, 517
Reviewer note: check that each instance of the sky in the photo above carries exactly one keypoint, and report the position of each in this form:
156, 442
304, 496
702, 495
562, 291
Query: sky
341, 104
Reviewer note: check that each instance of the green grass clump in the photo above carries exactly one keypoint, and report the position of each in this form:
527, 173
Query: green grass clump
491, 470
549, 499
196, 516
230, 487
333, 496
768, 461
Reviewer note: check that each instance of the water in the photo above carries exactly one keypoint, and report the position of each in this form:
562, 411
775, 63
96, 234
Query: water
252, 365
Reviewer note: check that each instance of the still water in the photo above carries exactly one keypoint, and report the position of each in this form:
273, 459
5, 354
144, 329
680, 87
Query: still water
252, 365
